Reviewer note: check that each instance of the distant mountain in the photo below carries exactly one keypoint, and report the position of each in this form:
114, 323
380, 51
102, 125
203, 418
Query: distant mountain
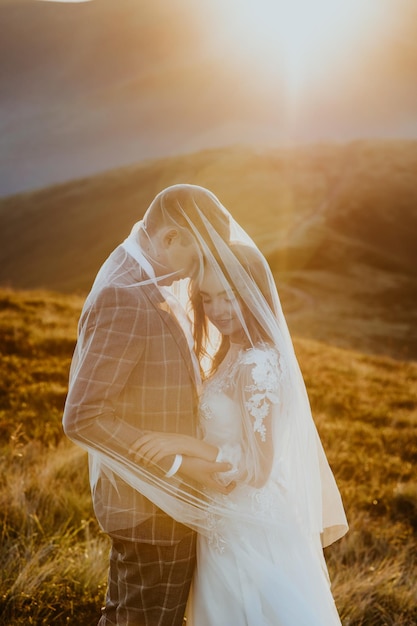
87, 87
337, 223
91, 86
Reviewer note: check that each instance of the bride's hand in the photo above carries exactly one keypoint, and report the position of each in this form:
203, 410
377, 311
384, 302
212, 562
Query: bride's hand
207, 473
152, 447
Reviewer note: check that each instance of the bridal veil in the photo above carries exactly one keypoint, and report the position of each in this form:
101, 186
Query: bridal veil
227, 250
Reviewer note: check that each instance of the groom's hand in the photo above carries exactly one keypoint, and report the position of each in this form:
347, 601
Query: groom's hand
204, 472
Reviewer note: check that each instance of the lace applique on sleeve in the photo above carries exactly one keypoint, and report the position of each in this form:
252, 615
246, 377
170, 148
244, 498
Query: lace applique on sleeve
263, 390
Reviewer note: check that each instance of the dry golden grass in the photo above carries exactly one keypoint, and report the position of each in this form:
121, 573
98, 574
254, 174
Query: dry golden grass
366, 410
53, 556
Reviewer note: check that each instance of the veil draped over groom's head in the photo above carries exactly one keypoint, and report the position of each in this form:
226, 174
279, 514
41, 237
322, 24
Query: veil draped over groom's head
299, 466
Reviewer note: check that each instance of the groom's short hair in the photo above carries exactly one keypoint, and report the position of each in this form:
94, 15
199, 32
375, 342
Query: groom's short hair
182, 206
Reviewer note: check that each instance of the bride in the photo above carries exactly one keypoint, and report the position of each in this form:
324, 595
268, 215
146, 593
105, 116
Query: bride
262, 524
260, 547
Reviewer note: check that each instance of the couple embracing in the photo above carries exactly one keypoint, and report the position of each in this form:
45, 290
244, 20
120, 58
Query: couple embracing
206, 468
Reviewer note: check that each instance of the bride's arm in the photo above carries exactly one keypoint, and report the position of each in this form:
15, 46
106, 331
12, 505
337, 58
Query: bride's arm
259, 394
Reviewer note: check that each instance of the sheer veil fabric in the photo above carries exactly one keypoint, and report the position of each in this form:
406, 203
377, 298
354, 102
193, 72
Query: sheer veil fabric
298, 465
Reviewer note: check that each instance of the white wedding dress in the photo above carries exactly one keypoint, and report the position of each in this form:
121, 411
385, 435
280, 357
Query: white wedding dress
258, 567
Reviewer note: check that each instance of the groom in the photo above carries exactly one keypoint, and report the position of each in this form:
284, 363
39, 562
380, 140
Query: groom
132, 371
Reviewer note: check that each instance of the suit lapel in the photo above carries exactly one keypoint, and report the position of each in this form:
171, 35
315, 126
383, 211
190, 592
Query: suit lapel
168, 317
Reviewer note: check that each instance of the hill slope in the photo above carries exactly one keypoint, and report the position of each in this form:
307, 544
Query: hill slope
337, 223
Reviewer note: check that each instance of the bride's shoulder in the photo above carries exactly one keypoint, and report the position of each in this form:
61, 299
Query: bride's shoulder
263, 361
260, 353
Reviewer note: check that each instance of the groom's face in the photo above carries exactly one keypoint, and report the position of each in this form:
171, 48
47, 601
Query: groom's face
180, 255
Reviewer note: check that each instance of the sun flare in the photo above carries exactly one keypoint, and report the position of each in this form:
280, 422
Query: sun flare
301, 41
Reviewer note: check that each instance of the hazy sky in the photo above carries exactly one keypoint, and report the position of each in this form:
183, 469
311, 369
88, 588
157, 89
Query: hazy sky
93, 85
329, 69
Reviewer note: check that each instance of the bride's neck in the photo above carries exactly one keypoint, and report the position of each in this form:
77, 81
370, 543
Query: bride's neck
239, 338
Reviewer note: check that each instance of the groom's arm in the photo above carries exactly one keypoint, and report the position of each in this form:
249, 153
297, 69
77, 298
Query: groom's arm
111, 347
197, 458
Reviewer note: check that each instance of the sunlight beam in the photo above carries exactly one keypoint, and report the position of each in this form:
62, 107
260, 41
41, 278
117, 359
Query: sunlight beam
303, 40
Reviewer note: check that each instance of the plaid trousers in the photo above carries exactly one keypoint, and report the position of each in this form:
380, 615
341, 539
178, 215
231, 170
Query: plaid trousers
148, 584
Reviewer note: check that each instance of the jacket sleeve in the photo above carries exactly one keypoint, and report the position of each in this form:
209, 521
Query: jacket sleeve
109, 346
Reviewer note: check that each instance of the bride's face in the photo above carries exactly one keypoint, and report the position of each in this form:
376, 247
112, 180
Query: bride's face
220, 306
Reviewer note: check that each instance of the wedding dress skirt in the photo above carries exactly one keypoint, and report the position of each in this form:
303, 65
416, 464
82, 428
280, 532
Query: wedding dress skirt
252, 577
252, 573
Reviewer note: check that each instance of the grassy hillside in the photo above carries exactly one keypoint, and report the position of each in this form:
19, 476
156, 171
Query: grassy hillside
337, 223
308, 206
53, 557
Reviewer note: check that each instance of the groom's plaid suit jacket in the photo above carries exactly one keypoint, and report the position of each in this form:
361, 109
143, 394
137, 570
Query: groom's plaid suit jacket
136, 375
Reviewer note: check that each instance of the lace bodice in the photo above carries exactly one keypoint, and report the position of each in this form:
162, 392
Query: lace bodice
235, 406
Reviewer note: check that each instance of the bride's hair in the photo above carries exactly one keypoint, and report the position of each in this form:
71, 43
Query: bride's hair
254, 275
